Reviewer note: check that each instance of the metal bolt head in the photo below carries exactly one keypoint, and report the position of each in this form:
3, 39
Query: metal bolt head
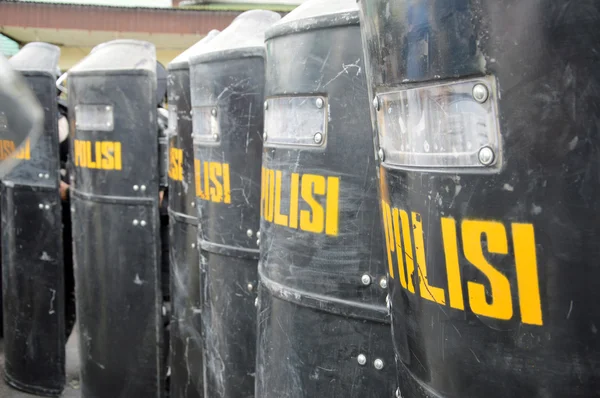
143, 223
143, 188
41, 206
376, 103
136, 187
486, 156
256, 302
258, 234
365, 279
250, 287
213, 112
257, 242
46, 176
135, 222
249, 233
361, 359
215, 136
193, 245
266, 105
41, 175
193, 204
383, 282
318, 138
381, 154
108, 108
47, 207
378, 363
480, 93
319, 103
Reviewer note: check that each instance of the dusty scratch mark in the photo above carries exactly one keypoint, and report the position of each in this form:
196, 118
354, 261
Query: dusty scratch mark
51, 311
345, 69
473, 352
570, 309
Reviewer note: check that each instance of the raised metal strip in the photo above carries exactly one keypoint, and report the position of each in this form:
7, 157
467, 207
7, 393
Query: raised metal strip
231, 251
298, 121
111, 199
183, 218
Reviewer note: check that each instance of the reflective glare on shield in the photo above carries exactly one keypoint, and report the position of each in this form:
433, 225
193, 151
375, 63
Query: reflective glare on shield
444, 126
21, 116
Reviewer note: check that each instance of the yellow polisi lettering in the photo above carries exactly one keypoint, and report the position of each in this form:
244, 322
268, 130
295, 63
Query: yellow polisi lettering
101, 155
483, 243
7, 149
212, 181
313, 204
175, 164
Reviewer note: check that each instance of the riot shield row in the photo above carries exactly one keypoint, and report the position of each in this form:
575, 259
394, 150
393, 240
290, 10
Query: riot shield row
412, 217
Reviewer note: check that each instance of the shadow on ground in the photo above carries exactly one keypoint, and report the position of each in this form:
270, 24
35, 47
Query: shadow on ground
72, 386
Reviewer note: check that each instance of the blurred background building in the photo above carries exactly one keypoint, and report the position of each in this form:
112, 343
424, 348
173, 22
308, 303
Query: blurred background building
78, 25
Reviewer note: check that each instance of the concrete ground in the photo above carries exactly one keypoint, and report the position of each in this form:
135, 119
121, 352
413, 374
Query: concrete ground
72, 386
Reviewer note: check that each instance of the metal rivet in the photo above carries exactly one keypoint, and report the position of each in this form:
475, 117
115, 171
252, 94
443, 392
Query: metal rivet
249, 233
47, 207
319, 103
135, 222
318, 138
73, 209
143, 223
265, 136
398, 393
258, 234
362, 359
381, 154
192, 112
376, 104
266, 105
365, 279
41, 205
193, 204
256, 302
193, 245
383, 282
143, 188
213, 112
486, 156
108, 108
215, 137
135, 187
250, 286
480, 93
46, 176
41, 175
258, 242
378, 363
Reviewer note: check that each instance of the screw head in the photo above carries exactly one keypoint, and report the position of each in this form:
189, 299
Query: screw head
376, 103
378, 363
249, 233
361, 359
480, 93
365, 279
250, 287
486, 156
318, 138
135, 222
266, 105
383, 282
143, 223
143, 188
381, 154
136, 187
319, 103
213, 112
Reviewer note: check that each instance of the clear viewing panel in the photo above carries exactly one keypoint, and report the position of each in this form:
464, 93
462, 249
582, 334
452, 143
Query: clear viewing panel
451, 125
296, 121
94, 117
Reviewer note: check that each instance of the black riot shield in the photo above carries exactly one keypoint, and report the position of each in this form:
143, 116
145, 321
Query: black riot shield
114, 196
323, 324
32, 258
227, 86
186, 338
487, 122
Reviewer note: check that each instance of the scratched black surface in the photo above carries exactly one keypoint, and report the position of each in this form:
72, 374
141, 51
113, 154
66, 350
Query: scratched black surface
545, 58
